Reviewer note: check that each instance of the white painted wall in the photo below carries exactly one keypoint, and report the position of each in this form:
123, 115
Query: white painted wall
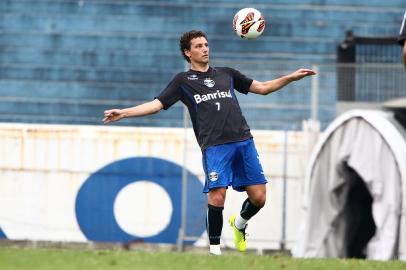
42, 168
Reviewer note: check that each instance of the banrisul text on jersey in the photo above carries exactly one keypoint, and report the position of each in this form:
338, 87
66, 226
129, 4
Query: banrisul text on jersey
210, 96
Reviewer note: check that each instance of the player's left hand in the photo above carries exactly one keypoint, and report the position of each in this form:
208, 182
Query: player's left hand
301, 73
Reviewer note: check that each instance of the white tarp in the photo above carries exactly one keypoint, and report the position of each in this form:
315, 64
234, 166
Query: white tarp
372, 144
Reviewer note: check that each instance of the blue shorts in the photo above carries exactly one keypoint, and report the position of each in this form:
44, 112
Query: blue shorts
232, 164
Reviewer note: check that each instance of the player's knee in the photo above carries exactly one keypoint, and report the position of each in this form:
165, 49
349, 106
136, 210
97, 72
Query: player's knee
217, 197
218, 200
259, 202
259, 199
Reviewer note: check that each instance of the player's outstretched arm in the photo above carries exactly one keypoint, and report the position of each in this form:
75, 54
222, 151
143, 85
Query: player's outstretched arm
140, 110
265, 88
404, 54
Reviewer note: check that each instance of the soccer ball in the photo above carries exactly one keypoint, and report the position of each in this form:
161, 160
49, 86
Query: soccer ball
248, 23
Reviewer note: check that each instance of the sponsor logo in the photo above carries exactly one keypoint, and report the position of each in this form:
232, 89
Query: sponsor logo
213, 176
192, 77
209, 82
216, 95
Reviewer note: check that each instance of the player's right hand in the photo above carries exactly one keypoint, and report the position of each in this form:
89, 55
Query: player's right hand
112, 115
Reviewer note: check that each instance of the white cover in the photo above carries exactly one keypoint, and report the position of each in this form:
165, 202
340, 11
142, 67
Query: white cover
374, 145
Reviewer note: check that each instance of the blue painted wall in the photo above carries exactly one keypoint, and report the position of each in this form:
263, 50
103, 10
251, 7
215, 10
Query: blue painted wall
67, 61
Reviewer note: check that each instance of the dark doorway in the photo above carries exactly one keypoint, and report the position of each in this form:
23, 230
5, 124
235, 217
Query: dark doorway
360, 225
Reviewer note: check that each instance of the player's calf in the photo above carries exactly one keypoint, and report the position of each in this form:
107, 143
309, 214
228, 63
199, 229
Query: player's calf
214, 225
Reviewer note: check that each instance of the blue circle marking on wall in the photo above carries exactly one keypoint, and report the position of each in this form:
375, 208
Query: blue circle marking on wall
2, 234
95, 200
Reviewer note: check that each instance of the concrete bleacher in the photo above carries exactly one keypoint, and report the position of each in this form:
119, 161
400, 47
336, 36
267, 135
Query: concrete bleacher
65, 61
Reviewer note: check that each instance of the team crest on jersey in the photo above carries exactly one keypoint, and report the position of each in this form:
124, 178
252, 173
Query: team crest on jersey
209, 82
213, 176
192, 77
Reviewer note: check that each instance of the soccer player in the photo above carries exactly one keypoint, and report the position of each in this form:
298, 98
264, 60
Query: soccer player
402, 37
229, 154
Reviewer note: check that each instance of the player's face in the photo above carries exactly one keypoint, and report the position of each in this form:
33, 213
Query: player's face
199, 51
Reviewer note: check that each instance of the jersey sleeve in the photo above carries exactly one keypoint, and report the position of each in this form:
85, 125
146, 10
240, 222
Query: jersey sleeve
172, 93
241, 82
402, 32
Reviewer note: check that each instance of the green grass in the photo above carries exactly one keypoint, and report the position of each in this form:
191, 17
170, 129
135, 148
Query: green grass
70, 259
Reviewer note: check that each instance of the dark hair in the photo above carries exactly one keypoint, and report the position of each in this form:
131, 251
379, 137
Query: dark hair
184, 42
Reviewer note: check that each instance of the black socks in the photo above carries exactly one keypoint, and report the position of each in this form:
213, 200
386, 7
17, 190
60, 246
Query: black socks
248, 210
214, 223
214, 219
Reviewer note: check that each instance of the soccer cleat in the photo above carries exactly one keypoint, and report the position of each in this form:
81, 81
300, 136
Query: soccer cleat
239, 235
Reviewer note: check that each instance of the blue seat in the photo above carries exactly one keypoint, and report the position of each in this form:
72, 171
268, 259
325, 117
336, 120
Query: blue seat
68, 61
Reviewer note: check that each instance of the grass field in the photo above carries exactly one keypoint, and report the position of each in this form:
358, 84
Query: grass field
68, 259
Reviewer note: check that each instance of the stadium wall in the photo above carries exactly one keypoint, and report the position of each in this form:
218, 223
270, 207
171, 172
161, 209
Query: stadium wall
122, 184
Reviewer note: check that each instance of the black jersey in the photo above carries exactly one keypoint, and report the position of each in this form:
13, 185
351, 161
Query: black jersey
213, 107
402, 33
